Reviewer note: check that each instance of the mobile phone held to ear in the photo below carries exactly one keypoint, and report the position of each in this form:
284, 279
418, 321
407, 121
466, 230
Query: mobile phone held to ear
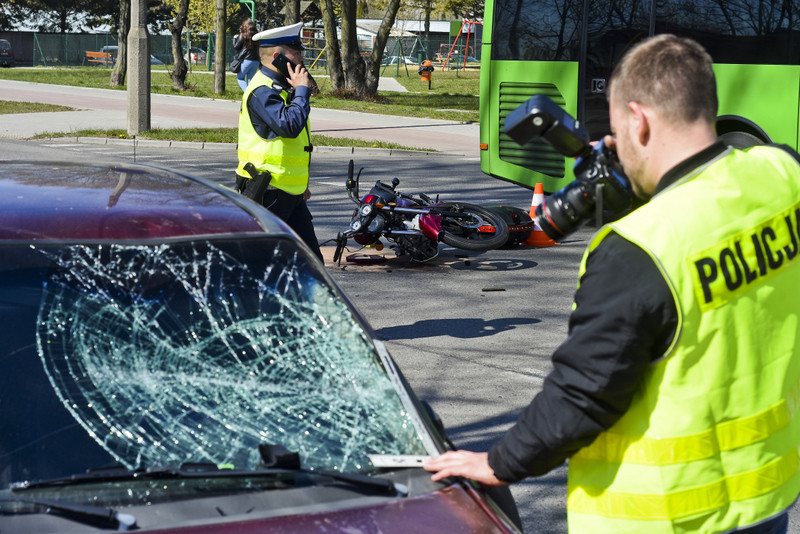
281, 63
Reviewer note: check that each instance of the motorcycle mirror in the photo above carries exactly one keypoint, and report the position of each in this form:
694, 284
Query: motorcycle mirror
358, 178
395, 182
352, 183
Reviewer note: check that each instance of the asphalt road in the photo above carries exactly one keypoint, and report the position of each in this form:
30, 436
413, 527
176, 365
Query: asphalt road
472, 332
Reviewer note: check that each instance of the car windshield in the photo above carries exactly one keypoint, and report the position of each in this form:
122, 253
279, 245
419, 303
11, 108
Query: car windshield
159, 354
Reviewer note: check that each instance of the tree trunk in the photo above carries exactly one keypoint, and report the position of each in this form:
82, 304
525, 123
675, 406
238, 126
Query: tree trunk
350, 73
120, 69
219, 48
292, 12
179, 69
352, 63
428, 9
374, 63
332, 45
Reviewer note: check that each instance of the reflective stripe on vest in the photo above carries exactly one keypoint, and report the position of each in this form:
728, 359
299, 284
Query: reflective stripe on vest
285, 158
710, 441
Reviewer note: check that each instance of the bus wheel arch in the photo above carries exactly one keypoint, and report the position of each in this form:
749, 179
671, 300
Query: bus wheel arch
740, 132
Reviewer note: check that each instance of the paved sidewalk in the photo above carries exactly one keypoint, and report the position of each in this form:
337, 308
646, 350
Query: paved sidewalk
107, 109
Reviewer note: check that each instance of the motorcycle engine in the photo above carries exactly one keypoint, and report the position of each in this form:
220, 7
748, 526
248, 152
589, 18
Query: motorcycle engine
420, 248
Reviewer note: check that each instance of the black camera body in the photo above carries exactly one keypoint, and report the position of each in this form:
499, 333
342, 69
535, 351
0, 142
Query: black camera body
600, 181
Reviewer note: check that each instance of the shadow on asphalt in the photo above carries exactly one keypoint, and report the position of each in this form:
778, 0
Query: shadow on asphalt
460, 328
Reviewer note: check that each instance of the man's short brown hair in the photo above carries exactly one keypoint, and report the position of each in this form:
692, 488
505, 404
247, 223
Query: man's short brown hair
670, 74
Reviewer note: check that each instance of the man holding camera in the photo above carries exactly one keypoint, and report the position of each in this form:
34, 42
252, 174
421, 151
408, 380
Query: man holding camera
675, 392
273, 132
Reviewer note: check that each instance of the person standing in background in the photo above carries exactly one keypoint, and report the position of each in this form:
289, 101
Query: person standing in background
247, 52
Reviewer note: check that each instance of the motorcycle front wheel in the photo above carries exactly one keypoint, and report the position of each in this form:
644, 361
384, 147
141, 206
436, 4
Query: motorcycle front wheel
471, 227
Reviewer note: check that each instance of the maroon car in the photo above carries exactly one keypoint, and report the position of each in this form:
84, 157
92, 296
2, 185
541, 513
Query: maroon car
175, 360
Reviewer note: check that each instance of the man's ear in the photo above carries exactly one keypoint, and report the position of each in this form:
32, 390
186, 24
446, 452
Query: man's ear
641, 122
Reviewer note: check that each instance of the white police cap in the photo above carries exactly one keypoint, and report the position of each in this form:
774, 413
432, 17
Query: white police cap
283, 36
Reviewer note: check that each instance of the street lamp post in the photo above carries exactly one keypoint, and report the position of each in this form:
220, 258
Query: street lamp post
138, 70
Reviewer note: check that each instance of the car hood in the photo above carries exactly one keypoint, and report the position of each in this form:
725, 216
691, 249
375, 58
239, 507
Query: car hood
453, 509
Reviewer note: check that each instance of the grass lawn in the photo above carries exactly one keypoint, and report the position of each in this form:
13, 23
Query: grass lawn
8, 107
206, 135
453, 94
222, 135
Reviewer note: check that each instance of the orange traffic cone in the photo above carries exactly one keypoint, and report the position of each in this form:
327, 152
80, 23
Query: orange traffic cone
538, 238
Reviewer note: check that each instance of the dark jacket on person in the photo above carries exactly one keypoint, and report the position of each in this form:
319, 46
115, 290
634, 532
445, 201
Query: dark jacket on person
242, 52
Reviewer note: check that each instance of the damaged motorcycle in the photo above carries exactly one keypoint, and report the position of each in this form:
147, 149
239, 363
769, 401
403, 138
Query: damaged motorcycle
415, 224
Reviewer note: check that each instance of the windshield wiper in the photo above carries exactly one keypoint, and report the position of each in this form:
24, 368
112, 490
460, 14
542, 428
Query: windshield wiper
121, 474
96, 515
279, 457
210, 470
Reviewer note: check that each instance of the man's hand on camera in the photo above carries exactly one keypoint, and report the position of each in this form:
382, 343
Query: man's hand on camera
610, 141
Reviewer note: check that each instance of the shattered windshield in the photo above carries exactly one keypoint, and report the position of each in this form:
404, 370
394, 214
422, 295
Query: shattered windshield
153, 355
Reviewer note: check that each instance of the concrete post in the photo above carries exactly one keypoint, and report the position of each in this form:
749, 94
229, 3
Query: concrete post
138, 70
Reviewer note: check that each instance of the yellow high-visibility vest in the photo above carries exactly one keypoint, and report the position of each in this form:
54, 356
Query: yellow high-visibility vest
710, 441
286, 159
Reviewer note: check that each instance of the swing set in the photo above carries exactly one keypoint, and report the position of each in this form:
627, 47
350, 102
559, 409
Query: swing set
469, 24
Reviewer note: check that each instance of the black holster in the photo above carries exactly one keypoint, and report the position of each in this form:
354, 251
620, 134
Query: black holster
255, 187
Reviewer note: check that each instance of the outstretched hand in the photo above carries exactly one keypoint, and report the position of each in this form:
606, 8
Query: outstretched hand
472, 465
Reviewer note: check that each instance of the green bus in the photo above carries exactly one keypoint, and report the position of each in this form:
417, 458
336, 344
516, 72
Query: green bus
567, 49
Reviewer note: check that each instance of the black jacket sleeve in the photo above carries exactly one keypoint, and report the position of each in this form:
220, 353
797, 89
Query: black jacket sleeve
625, 318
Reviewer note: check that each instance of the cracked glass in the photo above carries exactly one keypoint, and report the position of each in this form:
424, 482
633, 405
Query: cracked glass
160, 354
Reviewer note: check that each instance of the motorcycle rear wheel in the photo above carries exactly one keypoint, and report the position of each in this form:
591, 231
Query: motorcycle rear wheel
466, 232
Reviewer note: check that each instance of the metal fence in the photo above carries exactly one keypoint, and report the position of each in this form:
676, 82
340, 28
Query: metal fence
70, 49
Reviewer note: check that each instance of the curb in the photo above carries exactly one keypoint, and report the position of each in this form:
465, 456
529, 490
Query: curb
155, 143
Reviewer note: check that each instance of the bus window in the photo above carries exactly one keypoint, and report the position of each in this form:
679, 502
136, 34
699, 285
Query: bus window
536, 30
746, 33
610, 33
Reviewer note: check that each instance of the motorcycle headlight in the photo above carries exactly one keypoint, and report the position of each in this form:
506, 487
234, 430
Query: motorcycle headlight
366, 209
355, 226
376, 225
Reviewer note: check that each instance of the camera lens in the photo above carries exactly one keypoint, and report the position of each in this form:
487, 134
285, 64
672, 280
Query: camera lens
565, 211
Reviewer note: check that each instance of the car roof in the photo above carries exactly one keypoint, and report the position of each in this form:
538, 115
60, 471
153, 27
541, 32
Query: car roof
76, 201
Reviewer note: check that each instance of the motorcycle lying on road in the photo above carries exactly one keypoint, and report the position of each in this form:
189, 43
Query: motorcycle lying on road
415, 225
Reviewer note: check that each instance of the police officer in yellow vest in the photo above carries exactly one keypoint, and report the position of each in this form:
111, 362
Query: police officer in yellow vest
273, 130
675, 394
